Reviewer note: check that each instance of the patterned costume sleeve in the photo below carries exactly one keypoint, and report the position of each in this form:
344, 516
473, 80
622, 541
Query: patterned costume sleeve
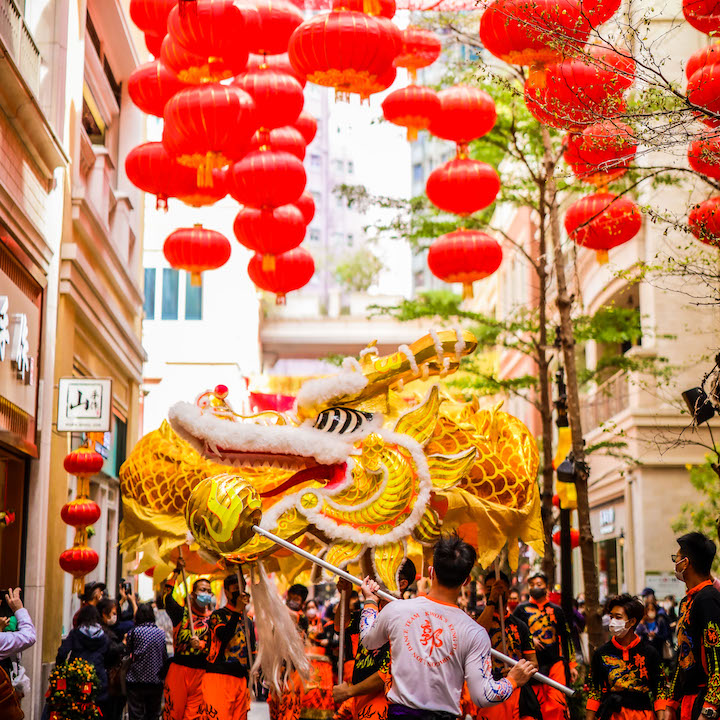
373, 633
174, 610
484, 690
711, 644
596, 682
526, 643
658, 681
568, 649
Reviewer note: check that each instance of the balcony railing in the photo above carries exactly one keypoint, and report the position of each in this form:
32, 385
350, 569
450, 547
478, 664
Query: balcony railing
610, 398
19, 44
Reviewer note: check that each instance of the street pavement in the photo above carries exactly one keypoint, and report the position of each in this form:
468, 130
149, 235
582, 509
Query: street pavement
259, 711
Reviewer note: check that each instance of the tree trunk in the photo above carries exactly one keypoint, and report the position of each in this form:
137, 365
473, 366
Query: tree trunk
546, 408
567, 342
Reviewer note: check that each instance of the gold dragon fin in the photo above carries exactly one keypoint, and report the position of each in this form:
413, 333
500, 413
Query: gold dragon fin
419, 423
387, 560
342, 553
446, 471
428, 530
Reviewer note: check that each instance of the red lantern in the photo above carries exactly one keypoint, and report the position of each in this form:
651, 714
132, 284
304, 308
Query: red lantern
270, 232
205, 124
189, 192
464, 256
151, 15
703, 15
704, 157
278, 20
153, 43
151, 86
602, 153
413, 107
525, 32
80, 513
603, 221
346, 50
383, 8
150, 168
463, 186
284, 139
574, 538
267, 179
703, 90
705, 56
278, 97
83, 461
79, 561
466, 114
420, 48
307, 125
194, 69
704, 221
280, 62
196, 249
150, 572
306, 205
293, 270
556, 501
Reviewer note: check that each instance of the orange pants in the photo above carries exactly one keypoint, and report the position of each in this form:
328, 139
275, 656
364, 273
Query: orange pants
286, 706
553, 702
686, 707
508, 710
316, 700
627, 714
183, 693
226, 697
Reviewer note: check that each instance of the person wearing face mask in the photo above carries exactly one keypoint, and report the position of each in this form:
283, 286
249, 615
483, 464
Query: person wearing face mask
114, 707
518, 645
626, 679
553, 644
695, 688
227, 671
654, 627
183, 684
316, 700
513, 599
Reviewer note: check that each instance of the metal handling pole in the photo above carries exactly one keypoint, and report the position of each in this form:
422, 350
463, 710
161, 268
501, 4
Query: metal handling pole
246, 619
501, 608
188, 602
387, 596
341, 638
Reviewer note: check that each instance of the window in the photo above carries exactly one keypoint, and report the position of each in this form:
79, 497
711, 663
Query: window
92, 121
417, 172
193, 299
339, 165
351, 239
339, 201
317, 197
171, 281
314, 236
338, 238
315, 161
149, 305
351, 167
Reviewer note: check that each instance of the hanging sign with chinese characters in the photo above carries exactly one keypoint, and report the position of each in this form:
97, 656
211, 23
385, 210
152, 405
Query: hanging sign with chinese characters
84, 404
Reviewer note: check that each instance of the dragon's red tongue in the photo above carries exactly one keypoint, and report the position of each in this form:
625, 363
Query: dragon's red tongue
334, 474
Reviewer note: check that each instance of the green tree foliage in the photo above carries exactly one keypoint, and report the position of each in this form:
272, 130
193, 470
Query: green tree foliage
359, 270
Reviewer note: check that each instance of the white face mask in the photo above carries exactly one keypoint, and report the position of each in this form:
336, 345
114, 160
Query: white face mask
311, 613
617, 627
679, 573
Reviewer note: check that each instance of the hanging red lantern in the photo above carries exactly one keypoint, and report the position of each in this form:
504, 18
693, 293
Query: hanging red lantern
153, 43
190, 193
151, 15
705, 56
464, 256
196, 250
307, 125
278, 96
602, 153
80, 513
703, 90
466, 113
704, 221
704, 157
306, 205
556, 501
267, 179
270, 232
525, 32
420, 48
602, 221
150, 168
413, 107
463, 186
79, 561
383, 8
574, 538
293, 270
283, 139
581, 91
703, 15
205, 124
151, 86
599, 11
345, 50
83, 461
278, 20
280, 62
194, 69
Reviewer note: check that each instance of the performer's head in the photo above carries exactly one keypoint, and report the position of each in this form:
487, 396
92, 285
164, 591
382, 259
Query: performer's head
625, 613
453, 559
694, 558
235, 598
513, 598
296, 596
406, 575
537, 585
202, 594
501, 584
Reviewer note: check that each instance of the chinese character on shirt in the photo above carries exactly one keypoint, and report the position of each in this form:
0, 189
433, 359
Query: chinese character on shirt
431, 637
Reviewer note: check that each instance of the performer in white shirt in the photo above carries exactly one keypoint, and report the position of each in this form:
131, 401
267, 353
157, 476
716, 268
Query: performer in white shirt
435, 647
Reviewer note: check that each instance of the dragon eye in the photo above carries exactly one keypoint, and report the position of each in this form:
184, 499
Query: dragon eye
341, 420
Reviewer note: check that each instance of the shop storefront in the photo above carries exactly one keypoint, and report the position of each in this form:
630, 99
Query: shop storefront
21, 300
608, 524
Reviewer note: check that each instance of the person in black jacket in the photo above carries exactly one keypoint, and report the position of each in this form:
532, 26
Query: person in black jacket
89, 642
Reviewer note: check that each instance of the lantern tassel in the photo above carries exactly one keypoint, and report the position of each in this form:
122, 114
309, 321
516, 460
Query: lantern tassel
412, 134
371, 7
537, 76
161, 203
78, 584
80, 537
412, 72
280, 299
196, 279
462, 151
268, 263
468, 291
602, 257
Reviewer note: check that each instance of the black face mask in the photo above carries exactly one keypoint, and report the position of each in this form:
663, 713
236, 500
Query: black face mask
294, 605
537, 593
234, 597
